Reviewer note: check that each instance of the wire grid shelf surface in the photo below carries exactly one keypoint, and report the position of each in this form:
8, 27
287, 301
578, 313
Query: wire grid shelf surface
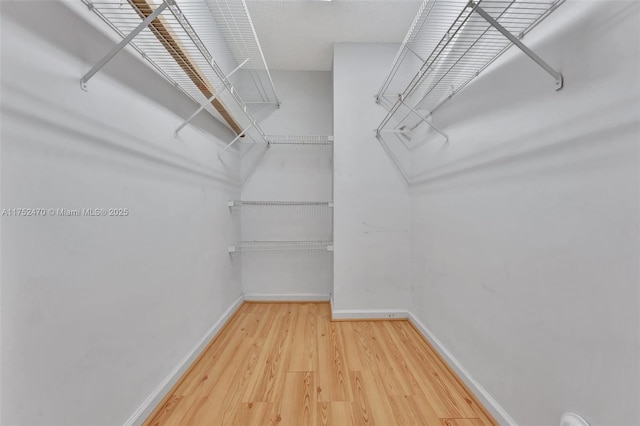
281, 246
299, 140
279, 203
449, 44
234, 24
173, 47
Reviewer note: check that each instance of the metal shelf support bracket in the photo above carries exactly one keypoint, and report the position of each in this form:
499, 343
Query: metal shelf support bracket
417, 56
208, 102
230, 144
513, 39
430, 124
117, 48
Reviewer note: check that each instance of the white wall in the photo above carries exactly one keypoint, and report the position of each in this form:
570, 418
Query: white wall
307, 104
295, 173
97, 311
524, 243
371, 217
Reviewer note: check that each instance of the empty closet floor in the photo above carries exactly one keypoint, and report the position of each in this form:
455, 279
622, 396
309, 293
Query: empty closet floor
289, 364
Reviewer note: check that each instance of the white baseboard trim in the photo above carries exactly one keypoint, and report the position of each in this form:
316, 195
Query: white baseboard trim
147, 407
481, 393
293, 297
368, 314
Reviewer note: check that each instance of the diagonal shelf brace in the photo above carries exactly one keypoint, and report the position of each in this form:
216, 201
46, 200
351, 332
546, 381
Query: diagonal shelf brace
209, 101
230, 144
203, 106
416, 54
430, 124
513, 39
171, 42
145, 23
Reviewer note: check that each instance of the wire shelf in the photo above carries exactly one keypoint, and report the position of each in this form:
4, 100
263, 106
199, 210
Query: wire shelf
172, 46
281, 246
236, 27
300, 140
447, 46
239, 203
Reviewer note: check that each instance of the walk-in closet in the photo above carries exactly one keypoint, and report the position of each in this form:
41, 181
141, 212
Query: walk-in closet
319, 212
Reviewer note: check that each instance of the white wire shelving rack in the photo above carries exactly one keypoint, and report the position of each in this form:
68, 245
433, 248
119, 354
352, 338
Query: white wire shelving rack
234, 23
315, 211
162, 33
245, 246
304, 142
449, 44
300, 140
240, 203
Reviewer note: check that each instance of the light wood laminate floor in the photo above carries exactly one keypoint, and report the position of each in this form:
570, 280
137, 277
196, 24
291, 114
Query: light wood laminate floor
289, 364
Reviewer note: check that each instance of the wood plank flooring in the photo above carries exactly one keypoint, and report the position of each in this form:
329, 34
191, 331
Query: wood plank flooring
289, 364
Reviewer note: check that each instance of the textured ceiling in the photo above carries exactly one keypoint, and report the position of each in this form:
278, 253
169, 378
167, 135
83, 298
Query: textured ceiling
299, 35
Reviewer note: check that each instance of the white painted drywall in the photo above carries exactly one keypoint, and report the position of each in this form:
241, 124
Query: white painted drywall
307, 104
524, 228
96, 311
371, 215
294, 173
